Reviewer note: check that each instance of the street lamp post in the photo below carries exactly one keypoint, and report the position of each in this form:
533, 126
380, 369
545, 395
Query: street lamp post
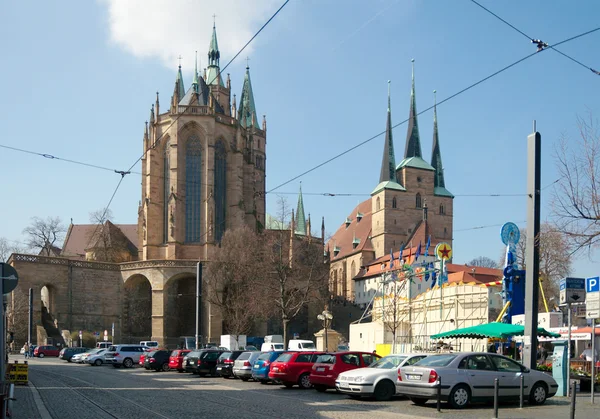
326, 318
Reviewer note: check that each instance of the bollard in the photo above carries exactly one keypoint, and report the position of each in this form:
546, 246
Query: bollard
496, 389
573, 399
521, 395
439, 394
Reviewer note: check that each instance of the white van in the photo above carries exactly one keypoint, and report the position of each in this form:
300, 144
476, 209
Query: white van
301, 345
268, 347
103, 345
149, 343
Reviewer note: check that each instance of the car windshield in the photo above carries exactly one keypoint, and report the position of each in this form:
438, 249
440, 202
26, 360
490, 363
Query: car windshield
224, 356
112, 349
175, 353
308, 345
284, 357
244, 355
388, 362
326, 359
435, 361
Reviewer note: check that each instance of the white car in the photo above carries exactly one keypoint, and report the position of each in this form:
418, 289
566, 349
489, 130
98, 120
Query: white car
78, 358
378, 379
96, 357
470, 376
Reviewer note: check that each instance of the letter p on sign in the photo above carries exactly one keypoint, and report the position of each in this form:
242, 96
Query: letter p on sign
592, 284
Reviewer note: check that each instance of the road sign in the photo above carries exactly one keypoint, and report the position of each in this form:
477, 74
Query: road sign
10, 278
106, 335
572, 290
592, 297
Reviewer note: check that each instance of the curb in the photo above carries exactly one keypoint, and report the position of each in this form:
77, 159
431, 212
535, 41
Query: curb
41, 407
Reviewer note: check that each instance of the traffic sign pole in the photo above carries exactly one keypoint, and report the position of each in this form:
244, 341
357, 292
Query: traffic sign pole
2, 331
593, 357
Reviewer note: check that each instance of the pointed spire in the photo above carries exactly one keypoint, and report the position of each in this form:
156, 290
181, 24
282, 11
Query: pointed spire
436, 154
157, 106
213, 76
388, 163
179, 86
234, 108
152, 115
195, 80
413, 142
247, 110
300, 218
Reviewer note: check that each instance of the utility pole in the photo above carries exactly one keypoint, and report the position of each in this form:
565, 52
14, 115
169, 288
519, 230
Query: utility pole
2, 331
198, 304
30, 322
532, 253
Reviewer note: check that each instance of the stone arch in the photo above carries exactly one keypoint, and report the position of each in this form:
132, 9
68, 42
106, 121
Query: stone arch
137, 309
48, 298
179, 295
49, 314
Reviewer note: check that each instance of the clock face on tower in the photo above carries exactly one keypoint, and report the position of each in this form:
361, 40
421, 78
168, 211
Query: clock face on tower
510, 234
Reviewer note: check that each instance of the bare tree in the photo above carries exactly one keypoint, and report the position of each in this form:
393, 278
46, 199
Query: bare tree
43, 235
576, 203
17, 311
107, 242
484, 262
234, 280
7, 249
555, 257
296, 273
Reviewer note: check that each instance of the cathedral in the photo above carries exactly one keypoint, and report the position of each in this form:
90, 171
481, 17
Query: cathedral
409, 205
203, 167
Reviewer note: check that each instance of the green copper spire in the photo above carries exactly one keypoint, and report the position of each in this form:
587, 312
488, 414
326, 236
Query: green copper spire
179, 84
247, 110
439, 185
388, 163
212, 72
413, 143
300, 219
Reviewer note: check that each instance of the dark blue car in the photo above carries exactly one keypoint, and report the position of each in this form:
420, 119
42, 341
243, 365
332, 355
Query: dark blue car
262, 366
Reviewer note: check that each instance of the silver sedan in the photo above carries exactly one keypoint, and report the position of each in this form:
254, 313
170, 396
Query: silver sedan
467, 377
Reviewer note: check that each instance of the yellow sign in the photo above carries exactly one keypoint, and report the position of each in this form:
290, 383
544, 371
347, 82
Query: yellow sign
17, 373
443, 251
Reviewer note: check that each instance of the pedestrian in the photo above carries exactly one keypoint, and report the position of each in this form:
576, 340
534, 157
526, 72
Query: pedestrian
587, 353
542, 355
492, 348
26, 350
31, 348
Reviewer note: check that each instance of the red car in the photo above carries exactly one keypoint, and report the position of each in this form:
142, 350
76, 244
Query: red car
176, 359
46, 350
292, 368
328, 366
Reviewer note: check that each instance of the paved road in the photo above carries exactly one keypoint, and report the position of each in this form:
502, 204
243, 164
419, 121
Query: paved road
79, 391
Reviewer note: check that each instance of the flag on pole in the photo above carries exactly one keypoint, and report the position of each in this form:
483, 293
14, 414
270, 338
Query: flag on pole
400, 257
391, 258
418, 252
410, 252
427, 246
433, 278
428, 266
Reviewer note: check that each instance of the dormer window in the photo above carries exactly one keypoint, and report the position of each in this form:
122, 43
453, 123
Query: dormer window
347, 222
336, 251
359, 216
355, 243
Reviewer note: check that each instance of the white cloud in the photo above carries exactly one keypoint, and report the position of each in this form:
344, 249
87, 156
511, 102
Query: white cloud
167, 28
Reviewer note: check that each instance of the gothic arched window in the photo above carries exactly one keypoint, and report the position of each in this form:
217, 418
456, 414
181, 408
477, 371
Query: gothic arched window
418, 202
193, 190
377, 204
166, 191
335, 283
442, 210
352, 270
394, 203
220, 190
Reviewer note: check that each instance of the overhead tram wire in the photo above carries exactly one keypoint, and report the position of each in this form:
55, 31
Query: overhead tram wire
536, 40
337, 156
156, 142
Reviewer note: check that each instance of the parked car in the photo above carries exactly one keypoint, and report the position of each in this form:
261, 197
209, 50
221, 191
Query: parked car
125, 355
103, 345
79, 358
149, 344
225, 363
46, 350
327, 367
262, 366
157, 360
176, 359
67, 353
293, 368
378, 379
301, 345
202, 362
95, 357
242, 367
468, 377
272, 346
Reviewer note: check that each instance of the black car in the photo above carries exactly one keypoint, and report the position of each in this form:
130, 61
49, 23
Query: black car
157, 360
207, 362
67, 353
225, 363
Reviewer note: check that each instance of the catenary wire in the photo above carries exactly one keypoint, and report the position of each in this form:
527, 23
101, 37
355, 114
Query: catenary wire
423, 111
533, 40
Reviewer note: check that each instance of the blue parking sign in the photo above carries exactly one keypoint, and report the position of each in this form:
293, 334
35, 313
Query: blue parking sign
592, 284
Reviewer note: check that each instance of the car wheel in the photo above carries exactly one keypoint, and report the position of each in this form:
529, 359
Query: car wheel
418, 401
165, 367
304, 381
98, 362
40, 355
538, 393
320, 388
384, 390
69, 360
459, 396
127, 363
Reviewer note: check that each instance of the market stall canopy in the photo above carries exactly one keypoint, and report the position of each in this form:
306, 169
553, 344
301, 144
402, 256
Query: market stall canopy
491, 330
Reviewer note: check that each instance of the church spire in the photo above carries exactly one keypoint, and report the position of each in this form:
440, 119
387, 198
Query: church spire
179, 84
388, 163
247, 109
439, 183
413, 142
195, 80
213, 75
300, 219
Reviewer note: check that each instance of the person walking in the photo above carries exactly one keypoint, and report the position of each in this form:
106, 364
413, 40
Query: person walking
26, 350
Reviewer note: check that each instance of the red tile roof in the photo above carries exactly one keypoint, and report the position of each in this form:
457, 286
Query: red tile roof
361, 230
78, 238
479, 274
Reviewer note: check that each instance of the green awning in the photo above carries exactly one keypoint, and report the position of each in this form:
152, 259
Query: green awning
492, 330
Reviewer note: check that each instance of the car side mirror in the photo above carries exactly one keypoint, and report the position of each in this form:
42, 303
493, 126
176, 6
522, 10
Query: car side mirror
525, 369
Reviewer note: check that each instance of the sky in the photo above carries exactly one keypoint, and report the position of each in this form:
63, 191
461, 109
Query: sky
80, 77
